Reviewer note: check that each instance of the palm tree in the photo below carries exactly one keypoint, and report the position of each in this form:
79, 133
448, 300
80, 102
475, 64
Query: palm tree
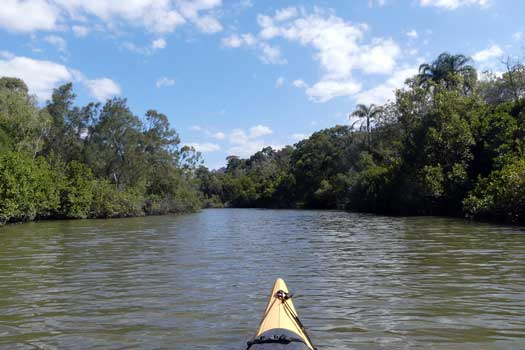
369, 112
445, 68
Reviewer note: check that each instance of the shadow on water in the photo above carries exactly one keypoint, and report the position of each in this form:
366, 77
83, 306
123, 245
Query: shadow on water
200, 281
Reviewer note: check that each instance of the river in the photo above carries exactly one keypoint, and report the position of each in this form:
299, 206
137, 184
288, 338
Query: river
201, 281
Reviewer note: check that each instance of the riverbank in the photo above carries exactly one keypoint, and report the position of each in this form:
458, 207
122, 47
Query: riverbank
93, 161
452, 145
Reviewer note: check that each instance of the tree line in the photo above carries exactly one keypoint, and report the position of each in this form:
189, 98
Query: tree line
65, 161
450, 143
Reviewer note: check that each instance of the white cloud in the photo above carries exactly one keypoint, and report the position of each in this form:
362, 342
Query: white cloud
247, 149
158, 16
285, 14
385, 91
326, 90
80, 31
271, 54
517, 36
205, 147
453, 4
164, 82
299, 136
267, 53
338, 43
159, 43
155, 45
279, 82
492, 52
238, 137
136, 49
208, 24
43, 76
27, 16
379, 57
260, 130
57, 41
102, 88
340, 48
244, 144
191, 9
195, 128
236, 40
412, 34
155, 15
40, 76
298, 83
219, 135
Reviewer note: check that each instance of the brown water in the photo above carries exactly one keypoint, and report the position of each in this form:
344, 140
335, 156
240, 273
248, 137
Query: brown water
201, 281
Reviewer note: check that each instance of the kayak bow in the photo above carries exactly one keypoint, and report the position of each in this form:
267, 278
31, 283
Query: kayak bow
280, 328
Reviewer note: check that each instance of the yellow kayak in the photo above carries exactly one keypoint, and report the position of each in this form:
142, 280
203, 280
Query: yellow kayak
280, 327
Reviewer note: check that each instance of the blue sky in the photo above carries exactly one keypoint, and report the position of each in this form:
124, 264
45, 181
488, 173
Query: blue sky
235, 76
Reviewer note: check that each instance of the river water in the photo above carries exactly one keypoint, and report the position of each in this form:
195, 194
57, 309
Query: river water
201, 281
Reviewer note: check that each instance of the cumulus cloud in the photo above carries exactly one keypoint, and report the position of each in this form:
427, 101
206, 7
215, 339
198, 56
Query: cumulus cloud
339, 44
260, 130
299, 83
494, 51
285, 14
158, 16
453, 4
248, 149
267, 53
39, 75
236, 40
205, 147
27, 16
164, 82
219, 135
271, 54
340, 47
158, 44
326, 90
207, 23
43, 76
155, 15
238, 137
80, 31
412, 34
245, 143
279, 82
385, 91
57, 41
299, 136
102, 88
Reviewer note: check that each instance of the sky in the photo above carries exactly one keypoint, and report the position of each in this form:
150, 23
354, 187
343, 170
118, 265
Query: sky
234, 76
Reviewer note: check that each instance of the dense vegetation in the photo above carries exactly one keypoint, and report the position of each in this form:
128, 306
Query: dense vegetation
64, 161
450, 144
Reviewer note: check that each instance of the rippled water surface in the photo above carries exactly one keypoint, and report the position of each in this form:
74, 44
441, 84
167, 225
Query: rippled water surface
201, 281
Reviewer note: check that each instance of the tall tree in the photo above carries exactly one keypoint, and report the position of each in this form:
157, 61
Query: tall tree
369, 113
446, 69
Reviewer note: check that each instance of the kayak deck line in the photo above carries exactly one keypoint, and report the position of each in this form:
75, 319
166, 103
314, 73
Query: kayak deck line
280, 324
